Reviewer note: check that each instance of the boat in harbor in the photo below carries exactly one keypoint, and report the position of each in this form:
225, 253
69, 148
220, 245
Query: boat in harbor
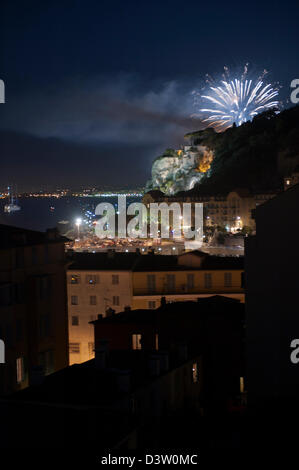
12, 205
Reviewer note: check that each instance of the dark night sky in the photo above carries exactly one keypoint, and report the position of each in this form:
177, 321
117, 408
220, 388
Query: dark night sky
96, 89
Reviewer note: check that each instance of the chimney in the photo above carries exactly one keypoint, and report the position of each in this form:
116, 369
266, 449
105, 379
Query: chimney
154, 366
123, 380
109, 312
37, 375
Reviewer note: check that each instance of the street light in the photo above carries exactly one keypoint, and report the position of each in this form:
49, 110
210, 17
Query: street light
78, 223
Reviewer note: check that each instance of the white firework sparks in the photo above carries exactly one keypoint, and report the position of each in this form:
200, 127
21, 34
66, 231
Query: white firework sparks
237, 101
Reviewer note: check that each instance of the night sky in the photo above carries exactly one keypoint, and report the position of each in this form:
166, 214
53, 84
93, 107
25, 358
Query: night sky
95, 90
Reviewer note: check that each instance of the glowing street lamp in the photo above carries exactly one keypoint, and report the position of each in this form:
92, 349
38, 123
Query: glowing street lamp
78, 223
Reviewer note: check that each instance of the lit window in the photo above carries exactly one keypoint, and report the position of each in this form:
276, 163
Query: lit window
91, 349
242, 388
136, 341
157, 342
74, 348
75, 279
75, 320
194, 373
20, 370
92, 279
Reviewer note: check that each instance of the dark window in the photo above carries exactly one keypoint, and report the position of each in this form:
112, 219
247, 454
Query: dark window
75, 320
190, 281
74, 348
34, 255
46, 359
46, 254
6, 295
170, 282
45, 287
19, 257
19, 329
208, 280
151, 282
45, 325
74, 300
227, 279
20, 293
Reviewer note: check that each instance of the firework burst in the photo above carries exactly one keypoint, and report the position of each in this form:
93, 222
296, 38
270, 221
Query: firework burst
235, 101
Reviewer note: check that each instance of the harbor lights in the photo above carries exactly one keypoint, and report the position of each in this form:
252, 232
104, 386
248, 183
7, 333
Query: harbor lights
78, 223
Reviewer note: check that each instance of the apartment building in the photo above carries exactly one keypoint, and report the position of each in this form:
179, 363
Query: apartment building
232, 210
33, 306
185, 277
97, 283
103, 283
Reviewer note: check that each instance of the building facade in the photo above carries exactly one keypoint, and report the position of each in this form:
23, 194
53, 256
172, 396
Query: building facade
96, 284
99, 283
33, 307
232, 210
187, 277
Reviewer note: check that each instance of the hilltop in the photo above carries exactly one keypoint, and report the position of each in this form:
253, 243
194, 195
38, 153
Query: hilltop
256, 155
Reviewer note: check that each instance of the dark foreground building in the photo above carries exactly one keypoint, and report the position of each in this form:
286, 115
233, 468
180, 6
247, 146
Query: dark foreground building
212, 327
272, 297
119, 400
33, 308
156, 376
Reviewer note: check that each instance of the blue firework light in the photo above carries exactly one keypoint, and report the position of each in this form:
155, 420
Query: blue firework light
236, 100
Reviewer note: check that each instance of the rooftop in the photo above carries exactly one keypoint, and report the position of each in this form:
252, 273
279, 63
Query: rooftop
11, 237
103, 261
215, 303
153, 262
